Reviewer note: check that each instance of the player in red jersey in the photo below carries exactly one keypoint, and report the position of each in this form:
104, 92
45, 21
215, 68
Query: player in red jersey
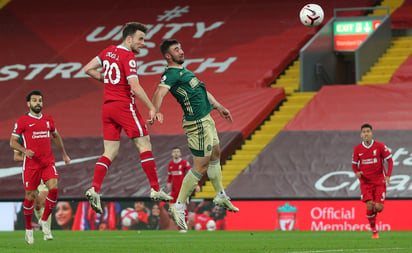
177, 170
120, 112
368, 164
36, 130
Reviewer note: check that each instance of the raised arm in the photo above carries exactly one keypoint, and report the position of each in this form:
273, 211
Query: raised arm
92, 69
225, 113
59, 142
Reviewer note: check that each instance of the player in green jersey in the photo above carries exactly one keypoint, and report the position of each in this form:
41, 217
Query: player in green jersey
203, 141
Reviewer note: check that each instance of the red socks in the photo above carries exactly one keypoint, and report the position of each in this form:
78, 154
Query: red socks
51, 200
28, 212
370, 214
149, 167
100, 171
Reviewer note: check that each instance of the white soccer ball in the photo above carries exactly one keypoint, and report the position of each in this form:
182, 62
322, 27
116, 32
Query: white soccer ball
128, 215
211, 225
311, 15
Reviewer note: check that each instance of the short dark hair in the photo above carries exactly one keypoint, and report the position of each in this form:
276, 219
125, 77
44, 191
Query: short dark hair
131, 28
33, 92
164, 47
366, 125
177, 148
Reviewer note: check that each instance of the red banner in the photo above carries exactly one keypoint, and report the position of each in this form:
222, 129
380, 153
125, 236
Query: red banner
317, 216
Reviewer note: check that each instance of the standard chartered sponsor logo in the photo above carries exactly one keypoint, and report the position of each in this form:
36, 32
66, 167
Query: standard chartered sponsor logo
41, 134
348, 180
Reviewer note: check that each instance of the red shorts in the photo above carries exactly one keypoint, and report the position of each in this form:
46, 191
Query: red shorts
374, 192
117, 115
33, 176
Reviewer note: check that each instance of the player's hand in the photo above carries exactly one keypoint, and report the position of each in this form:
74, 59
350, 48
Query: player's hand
359, 174
225, 113
386, 180
152, 115
66, 159
29, 153
159, 117
197, 188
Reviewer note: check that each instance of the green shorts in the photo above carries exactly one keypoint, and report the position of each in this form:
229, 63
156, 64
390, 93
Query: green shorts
201, 135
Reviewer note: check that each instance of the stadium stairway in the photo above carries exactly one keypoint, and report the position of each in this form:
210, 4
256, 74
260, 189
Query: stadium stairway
389, 62
392, 4
262, 136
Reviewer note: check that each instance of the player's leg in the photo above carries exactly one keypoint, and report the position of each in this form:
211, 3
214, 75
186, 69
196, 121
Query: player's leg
40, 201
31, 179
214, 173
30, 195
190, 181
214, 170
367, 193
111, 150
148, 163
50, 178
111, 137
38, 206
379, 197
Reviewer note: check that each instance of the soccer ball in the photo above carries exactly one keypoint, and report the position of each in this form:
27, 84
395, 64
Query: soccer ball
311, 15
127, 216
211, 225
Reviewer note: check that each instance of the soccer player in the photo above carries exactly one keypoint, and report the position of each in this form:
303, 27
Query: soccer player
177, 170
42, 190
203, 141
368, 164
119, 111
36, 130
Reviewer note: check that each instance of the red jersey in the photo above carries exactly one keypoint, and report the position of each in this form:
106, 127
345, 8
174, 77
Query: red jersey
36, 133
369, 160
176, 173
119, 64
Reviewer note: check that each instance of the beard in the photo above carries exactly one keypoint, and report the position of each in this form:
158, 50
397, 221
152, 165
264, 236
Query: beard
36, 109
178, 61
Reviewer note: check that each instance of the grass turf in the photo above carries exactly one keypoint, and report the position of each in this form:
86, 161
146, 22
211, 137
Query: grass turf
203, 241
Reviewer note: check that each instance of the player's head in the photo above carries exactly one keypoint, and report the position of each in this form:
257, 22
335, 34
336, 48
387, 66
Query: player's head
133, 36
172, 51
176, 153
35, 101
366, 132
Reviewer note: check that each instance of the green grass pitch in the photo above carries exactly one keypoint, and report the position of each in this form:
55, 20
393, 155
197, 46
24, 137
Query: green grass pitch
210, 242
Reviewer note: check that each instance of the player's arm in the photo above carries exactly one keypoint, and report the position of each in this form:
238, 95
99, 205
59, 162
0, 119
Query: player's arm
160, 93
59, 143
388, 158
225, 113
355, 164
141, 94
92, 67
18, 156
390, 167
15, 145
169, 178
